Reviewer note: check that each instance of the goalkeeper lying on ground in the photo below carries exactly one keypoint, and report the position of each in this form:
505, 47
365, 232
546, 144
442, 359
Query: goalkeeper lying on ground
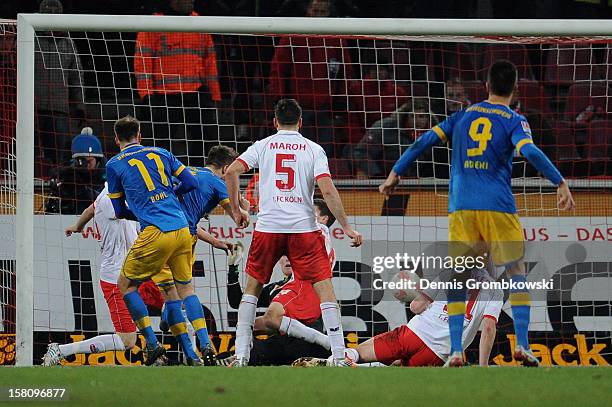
293, 317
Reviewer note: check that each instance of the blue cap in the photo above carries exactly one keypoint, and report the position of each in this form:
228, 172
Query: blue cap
86, 144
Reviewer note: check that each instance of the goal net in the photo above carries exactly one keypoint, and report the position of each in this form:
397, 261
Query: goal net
365, 99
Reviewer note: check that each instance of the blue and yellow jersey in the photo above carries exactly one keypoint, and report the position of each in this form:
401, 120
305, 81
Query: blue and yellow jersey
484, 137
210, 192
143, 175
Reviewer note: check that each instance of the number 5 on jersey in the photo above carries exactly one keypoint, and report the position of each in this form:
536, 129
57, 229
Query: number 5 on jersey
285, 171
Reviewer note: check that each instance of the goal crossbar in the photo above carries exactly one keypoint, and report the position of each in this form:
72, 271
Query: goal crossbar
331, 26
27, 24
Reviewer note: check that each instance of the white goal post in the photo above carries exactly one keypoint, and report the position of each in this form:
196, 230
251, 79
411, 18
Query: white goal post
27, 24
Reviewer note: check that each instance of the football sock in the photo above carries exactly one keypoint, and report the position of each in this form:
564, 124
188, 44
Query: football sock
140, 316
352, 354
244, 326
520, 303
331, 319
195, 314
97, 344
296, 329
164, 313
456, 316
190, 330
178, 327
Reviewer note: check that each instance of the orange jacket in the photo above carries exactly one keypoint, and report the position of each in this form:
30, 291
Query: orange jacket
175, 62
252, 193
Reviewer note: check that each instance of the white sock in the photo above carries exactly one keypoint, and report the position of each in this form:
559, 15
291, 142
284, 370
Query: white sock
97, 344
331, 319
244, 327
352, 353
296, 329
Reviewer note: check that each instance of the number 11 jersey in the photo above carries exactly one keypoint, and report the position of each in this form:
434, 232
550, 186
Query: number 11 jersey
483, 138
289, 165
144, 176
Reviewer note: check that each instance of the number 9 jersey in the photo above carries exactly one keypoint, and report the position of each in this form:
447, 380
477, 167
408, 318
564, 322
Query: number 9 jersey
484, 137
144, 176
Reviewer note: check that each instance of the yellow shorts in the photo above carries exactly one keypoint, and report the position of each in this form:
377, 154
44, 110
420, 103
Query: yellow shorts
475, 232
164, 277
153, 249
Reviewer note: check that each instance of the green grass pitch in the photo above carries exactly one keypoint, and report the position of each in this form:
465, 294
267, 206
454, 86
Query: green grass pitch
279, 386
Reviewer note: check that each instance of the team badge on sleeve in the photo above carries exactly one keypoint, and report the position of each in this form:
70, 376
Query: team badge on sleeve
526, 127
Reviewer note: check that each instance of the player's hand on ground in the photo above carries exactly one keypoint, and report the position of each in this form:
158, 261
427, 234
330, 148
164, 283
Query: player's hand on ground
565, 200
356, 238
70, 230
389, 185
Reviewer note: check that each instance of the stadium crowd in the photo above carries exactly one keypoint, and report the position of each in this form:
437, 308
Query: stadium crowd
365, 101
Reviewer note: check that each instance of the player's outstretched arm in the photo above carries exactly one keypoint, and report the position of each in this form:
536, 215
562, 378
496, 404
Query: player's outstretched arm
422, 143
227, 207
334, 203
539, 160
387, 187
233, 188
487, 338
121, 209
244, 203
188, 183
204, 236
85, 217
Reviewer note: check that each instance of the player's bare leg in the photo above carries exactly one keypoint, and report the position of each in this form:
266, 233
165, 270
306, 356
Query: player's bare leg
520, 303
246, 320
140, 316
195, 314
275, 320
330, 312
98, 344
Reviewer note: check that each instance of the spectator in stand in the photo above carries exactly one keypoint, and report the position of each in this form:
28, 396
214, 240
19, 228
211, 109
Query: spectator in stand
79, 181
385, 141
176, 75
374, 97
456, 97
57, 89
312, 70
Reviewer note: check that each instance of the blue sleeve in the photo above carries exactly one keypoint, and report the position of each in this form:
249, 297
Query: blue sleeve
116, 195
176, 167
121, 209
222, 195
444, 130
115, 187
539, 160
422, 143
187, 182
520, 132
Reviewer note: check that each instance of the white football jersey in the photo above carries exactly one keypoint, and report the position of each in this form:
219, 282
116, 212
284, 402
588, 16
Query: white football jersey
289, 165
432, 324
116, 237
